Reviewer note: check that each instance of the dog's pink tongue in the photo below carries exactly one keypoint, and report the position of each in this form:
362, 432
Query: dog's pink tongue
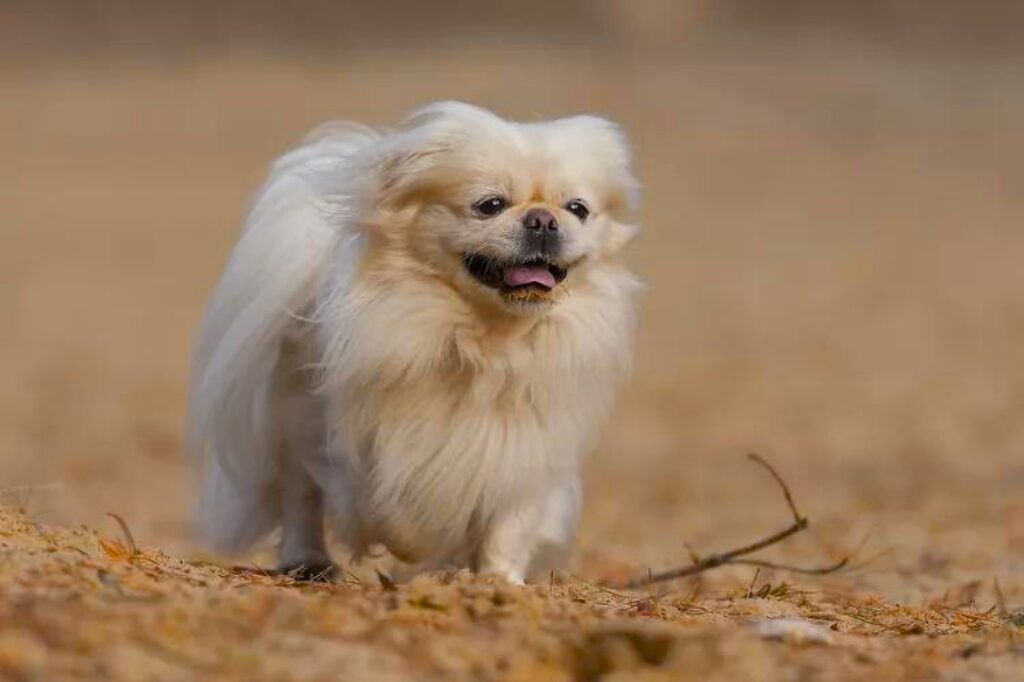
529, 274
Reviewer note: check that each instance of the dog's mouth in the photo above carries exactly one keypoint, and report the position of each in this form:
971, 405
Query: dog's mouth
528, 279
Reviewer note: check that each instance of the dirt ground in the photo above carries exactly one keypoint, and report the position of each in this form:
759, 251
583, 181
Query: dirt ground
834, 250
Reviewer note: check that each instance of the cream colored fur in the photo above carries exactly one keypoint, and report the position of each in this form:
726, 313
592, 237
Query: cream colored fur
349, 367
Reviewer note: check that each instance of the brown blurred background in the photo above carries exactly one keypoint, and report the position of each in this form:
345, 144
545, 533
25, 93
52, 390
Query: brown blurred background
834, 246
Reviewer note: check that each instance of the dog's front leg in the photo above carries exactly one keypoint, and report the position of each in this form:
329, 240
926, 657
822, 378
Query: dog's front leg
533, 537
509, 541
303, 552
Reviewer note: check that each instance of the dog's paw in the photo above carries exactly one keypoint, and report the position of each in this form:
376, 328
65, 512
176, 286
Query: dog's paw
311, 571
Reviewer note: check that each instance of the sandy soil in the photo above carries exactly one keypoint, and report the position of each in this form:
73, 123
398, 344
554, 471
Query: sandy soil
78, 606
833, 245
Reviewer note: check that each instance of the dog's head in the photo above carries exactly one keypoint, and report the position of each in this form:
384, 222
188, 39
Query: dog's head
506, 213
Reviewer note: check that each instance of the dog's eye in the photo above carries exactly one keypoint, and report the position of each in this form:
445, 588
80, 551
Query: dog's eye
491, 206
578, 209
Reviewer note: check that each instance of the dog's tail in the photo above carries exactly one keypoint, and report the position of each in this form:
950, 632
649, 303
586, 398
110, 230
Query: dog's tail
233, 431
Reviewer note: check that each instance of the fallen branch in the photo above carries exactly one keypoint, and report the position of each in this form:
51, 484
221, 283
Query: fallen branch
806, 570
735, 556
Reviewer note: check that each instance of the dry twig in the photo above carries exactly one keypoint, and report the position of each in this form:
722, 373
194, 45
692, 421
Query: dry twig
735, 556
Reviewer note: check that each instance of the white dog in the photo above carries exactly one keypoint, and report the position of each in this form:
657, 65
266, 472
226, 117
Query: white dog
416, 339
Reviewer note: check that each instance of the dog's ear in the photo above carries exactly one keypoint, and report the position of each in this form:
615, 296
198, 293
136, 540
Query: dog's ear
609, 155
609, 166
423, 140
398, 171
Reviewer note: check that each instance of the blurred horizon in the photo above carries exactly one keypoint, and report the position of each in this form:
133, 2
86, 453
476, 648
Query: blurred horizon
65, 30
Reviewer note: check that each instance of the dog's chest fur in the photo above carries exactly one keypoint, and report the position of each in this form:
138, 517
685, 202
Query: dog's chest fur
444, 420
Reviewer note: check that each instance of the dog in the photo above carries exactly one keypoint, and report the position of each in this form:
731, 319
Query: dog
415, 341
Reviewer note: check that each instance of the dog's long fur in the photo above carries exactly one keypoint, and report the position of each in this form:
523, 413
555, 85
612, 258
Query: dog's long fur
350, 368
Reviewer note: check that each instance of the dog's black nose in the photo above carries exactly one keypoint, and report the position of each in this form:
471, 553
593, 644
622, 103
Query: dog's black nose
540, 219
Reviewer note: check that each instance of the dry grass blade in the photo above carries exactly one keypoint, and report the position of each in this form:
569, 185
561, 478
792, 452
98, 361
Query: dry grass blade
386, 582
735, 556
127, 532
753, 581
1000, 598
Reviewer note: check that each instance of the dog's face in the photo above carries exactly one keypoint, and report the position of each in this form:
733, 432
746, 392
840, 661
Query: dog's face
508, 213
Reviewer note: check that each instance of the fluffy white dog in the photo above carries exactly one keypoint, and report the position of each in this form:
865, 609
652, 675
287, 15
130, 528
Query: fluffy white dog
416, 339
